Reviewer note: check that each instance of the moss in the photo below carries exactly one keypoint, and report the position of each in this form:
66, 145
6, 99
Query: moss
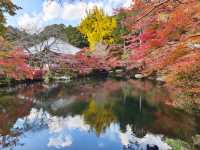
178, 144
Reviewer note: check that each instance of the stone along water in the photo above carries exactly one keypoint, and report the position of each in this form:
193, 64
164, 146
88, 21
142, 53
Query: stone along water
96, 115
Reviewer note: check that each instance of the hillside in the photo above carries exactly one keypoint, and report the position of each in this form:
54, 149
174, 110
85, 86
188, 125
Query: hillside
22, 39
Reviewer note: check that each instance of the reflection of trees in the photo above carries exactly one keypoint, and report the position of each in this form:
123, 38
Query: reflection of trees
99, 117
128, 107
134, 103
186, 100
11, 109
129, 113
76, 108
9, 141
126, 90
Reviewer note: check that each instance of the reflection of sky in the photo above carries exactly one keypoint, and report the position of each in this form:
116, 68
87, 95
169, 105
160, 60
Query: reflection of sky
140, 143
60, 141
44, 131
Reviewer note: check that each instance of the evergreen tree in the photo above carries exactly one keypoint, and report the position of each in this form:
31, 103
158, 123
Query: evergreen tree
75, 37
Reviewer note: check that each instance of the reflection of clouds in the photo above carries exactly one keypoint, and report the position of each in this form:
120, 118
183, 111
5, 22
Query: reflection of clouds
154, 140
54, 123
36, 118
58, 124
60, 130
112, 132
128, 138
60, 142
101, 145
61, 127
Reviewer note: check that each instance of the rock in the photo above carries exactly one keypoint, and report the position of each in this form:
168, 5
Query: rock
63, 78
152, 147
194, 45
161, 79
196, 141
139, 76
118, 70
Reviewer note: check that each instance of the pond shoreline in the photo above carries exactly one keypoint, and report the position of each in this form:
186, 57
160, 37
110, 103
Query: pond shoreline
117, 74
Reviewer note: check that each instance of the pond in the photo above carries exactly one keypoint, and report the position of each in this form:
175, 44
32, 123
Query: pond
96, 115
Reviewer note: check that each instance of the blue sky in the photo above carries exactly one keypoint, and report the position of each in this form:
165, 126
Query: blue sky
38, 13
27, 7
30, 7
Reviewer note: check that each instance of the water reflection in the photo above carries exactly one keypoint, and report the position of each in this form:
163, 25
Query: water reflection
92, 115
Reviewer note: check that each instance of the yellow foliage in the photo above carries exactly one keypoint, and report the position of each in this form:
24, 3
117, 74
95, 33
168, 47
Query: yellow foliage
163, 17
5, 45
97, 26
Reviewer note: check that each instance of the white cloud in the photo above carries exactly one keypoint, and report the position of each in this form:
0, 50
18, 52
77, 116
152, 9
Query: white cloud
60, 142
68, 12
51, 10
73, 12
30, 23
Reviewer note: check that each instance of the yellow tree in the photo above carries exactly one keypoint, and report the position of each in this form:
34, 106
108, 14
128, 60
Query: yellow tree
99, 117
98, 27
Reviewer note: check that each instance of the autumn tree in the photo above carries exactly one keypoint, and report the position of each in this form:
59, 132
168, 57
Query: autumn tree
14, 65
98, 27
6, 7
153, 25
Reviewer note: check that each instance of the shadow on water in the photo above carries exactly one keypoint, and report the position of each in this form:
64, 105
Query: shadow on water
107, 114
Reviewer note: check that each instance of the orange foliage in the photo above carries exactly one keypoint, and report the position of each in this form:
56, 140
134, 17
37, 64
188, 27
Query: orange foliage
163, 39
13, 65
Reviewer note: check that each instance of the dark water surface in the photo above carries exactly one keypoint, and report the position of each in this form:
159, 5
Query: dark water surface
96, 115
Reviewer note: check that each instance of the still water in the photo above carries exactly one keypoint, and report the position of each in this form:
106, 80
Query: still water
96, 115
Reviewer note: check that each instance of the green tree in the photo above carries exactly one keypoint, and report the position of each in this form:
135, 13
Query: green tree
98, 27
120, 30
6, 7
75, 37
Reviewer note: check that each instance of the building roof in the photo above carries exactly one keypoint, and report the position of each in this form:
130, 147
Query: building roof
54, 45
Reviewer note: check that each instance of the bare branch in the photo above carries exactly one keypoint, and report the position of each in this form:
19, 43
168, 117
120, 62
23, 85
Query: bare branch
153, 8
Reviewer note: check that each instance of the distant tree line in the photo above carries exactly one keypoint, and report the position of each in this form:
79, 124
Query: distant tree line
75, 37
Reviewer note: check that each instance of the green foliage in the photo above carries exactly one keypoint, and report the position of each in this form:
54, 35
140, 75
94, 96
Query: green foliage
177, 144
75, 37
2, 29
120, 30
97, 26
